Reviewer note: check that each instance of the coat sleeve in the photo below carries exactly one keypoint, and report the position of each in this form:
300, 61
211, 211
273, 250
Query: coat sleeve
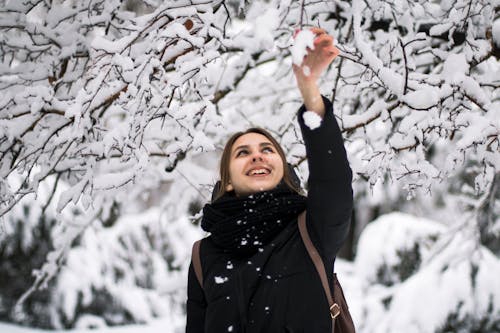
196, 304
330, 197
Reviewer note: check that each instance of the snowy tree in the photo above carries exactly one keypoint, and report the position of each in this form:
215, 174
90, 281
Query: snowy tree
24, 245
410, 282
115, 104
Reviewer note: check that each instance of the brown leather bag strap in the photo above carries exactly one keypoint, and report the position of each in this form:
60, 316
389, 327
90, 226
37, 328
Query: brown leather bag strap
195, 258
320, 267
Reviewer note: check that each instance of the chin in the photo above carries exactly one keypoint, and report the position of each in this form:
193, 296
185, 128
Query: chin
255, 188
262, 188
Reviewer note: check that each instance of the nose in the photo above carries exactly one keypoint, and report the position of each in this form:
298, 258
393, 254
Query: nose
257, 156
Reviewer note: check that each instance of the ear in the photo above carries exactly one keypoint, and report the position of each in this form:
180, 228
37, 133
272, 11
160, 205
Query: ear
229, 187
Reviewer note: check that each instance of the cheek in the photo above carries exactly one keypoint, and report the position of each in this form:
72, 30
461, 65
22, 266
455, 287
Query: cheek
281, 173
279, 167
235, 167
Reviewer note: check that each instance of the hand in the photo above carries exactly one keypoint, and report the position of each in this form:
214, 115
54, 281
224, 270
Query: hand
316, 60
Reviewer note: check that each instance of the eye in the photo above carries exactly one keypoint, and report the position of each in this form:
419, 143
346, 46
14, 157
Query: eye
268, 149
242, 152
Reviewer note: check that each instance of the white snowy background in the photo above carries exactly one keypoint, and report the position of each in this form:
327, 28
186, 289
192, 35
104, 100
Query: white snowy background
113, 115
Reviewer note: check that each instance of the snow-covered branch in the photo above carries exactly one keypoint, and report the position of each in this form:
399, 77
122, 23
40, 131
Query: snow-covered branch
109, 102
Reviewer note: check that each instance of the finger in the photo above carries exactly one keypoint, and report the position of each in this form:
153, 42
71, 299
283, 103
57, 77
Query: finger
323, 41
297, 70
318, 31
333, 51
323, 38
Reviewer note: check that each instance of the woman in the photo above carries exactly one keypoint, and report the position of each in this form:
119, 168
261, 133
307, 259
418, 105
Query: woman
257, 274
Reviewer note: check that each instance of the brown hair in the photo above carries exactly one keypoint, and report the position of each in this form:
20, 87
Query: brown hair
226, 159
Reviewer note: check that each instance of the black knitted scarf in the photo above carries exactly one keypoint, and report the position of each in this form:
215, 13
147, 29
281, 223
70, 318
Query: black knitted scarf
242, 225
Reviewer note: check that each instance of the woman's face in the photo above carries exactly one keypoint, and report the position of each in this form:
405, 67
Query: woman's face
254, 165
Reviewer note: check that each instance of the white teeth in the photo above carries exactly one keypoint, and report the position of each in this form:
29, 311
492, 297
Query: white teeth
259, 172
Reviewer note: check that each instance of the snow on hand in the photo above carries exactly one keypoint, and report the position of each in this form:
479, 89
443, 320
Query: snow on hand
303, 40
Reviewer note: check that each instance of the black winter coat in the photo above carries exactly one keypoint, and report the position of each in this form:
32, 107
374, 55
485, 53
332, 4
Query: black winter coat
278, 290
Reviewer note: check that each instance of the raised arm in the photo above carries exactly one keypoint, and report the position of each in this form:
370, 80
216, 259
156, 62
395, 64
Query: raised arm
330, 199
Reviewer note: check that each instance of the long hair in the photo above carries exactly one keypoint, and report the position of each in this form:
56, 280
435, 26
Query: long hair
226, 159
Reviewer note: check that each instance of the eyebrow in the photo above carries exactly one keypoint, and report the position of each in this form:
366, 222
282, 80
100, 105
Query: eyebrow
262, 144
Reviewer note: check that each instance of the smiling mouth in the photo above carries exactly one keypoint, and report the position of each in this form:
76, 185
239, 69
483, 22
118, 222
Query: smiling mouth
259, 172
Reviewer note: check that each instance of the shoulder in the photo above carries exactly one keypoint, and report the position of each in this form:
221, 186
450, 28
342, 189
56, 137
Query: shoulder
208, 250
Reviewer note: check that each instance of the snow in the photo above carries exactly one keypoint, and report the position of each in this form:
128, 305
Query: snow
220, 279
454, 68
419, 303
438, 29
202, 142
473, 89
422, 99
134, 127
303, 40
312, 119
265, 25
496, 32
393, 80
72, 194
102, 44
446, 284
372, 113
155, 326
382, 238
425, 299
